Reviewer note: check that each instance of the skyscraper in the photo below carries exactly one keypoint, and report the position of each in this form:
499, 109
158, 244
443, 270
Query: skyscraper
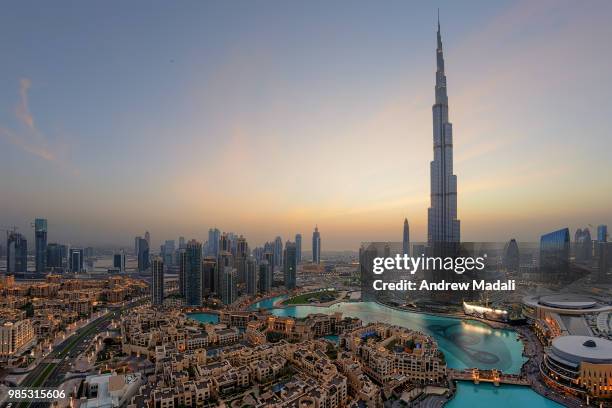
583, 245
298, 248
183, 265
442, 222
511, 259
554, 255
76, 257
40, 242
193, 273
119, 261
168, 252
148, 238
209, 266
289, 265
157, 286
142, 254
602, 233
406, 238
182, 243
240, 262
316, 246
269, 257
56, 257
214, 235
278, 252
251, 276
265, 276
228, 285
16, 253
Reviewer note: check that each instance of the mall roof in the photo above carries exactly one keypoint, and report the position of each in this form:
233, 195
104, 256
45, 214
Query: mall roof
577, 349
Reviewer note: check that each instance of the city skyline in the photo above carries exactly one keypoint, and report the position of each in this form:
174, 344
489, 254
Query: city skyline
78, 136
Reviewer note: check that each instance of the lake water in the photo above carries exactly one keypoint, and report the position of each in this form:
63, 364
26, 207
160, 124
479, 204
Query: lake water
505, 396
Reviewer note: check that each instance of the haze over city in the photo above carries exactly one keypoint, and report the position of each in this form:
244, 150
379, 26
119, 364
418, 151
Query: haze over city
266, 119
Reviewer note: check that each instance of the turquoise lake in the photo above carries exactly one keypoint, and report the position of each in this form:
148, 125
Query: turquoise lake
506, 396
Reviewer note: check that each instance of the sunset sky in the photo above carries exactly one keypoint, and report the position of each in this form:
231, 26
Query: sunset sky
268, 117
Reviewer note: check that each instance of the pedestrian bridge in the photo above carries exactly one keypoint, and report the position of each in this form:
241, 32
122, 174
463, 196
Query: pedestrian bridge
488, 376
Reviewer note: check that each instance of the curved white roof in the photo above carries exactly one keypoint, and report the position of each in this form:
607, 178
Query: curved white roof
568, 301
577, 349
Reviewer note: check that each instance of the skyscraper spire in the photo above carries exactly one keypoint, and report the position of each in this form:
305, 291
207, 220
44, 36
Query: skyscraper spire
443, 225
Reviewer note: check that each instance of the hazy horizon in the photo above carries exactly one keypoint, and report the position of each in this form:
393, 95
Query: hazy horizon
268, 118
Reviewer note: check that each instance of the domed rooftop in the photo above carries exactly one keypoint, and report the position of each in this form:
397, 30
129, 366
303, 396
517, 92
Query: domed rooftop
576, 349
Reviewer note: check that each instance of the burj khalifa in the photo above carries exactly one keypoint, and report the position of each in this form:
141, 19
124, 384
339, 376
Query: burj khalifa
442, 223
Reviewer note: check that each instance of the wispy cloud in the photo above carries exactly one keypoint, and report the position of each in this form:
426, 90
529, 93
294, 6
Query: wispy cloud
22, 111
29, 138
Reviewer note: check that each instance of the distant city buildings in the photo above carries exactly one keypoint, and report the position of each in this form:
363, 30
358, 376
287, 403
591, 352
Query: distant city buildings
583, 245
602, 233
265, 276
119, 261
40, 242
142, 254
16, 253
290, 265
251, 277
511, 260
298, 248
228, 284
316, 246
406, 238
554, 254
214, 236
192, 272
209, 267
278, 252
76, 259
57, 255
157, 281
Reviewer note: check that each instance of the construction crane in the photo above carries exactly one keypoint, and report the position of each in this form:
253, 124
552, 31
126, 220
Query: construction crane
11, 228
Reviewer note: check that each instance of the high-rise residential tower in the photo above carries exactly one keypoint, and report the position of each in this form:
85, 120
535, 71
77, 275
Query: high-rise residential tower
251, 276
406, 238
16, 253
56, 257
602, 233
214, 235
289, 265
40, 236
209, 266
142, 254
76, 257
278, 252
265, 276
316, 246
193, 273
442, 222
298, 248
119, 261
157, 287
